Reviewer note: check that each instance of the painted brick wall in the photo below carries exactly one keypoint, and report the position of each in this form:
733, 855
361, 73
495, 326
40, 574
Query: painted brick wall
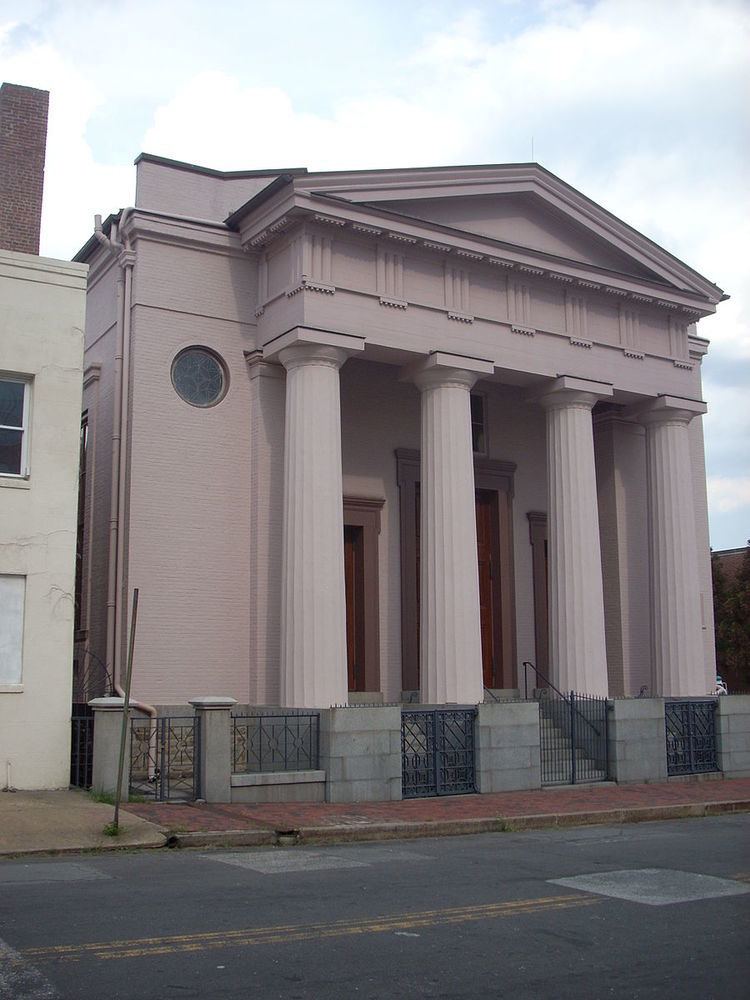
23, 138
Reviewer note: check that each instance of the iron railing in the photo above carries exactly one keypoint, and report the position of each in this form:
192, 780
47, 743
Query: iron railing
438, 752
275, 742
691, 736
573, 734
165, 758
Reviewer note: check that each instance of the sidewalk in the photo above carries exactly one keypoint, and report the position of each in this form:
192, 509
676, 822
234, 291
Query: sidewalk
70, 821
299, 822
64, 822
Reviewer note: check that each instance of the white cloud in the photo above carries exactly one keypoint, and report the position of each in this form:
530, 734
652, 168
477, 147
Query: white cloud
727, 493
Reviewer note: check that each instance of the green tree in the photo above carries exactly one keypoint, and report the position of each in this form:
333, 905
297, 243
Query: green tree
732, 621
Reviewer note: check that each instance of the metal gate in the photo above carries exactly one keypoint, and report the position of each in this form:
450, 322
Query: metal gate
81, 746
437, 752
691, 736
164, 758
573, 738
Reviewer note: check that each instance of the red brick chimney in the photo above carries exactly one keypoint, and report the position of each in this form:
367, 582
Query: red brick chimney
23, 139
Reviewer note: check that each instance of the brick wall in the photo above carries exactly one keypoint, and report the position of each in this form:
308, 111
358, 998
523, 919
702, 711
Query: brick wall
23, 138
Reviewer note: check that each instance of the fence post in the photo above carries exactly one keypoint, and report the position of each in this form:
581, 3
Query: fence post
107, 733
573, 737
214, 718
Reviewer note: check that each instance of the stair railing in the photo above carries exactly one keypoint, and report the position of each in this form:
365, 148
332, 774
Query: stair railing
569, 699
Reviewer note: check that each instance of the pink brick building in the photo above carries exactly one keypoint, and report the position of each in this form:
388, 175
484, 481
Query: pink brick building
355, 434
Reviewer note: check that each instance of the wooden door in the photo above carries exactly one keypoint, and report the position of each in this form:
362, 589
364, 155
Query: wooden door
488, 561
354, 578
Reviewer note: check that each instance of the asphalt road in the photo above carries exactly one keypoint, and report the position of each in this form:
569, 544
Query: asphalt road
657, 910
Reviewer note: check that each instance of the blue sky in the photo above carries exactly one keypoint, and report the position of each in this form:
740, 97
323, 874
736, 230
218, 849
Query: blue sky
639, 103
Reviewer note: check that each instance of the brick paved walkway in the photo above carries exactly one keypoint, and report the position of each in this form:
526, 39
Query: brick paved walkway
568, 801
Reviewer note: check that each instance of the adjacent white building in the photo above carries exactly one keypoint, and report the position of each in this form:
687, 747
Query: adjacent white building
42, 306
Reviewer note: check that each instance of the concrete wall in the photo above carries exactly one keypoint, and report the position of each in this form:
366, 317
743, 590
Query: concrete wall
733, 730
41, 339
637, 742
508, 739
360, 751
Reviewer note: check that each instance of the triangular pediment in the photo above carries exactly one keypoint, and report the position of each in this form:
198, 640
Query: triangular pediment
524, 221
521, 206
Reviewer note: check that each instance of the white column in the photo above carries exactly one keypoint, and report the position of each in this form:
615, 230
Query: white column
578, 657
676, 633
450, 635
313, 601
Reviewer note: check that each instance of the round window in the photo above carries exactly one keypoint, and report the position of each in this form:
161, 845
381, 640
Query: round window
199, 376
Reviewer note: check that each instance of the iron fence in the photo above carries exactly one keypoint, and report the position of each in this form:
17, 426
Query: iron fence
691, 736
165, 758
275, 742
438, 752
81, 746
573, 738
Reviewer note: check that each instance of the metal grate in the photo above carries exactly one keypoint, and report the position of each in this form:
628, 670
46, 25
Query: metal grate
164, 758
437, 752
81, 746
691, 736
269, 742
573, 738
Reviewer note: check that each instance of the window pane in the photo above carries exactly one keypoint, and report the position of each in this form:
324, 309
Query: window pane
198, 377
10, 452
11, 403
12, 590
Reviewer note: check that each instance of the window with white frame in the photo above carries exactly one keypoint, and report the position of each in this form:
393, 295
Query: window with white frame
14, 426
12, 598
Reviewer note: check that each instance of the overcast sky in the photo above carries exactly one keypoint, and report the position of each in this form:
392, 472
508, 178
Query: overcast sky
641, 104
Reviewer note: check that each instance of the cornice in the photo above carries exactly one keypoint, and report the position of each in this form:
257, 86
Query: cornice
483, 251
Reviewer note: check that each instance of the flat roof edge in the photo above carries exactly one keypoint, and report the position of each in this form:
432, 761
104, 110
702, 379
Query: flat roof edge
211, 171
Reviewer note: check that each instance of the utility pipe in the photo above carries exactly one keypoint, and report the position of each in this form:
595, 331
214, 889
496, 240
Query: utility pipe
115, 247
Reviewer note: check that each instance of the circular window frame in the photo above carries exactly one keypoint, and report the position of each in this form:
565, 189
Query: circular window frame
222, 366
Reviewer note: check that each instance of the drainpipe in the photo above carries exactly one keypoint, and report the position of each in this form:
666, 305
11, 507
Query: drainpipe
125, 258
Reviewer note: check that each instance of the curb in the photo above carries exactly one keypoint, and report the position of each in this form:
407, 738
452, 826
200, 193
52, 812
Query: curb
86, 849
450, 828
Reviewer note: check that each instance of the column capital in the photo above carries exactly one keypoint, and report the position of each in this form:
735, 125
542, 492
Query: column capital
567, 390
298, 355
668, 410
441, 369
303, 345
260, 367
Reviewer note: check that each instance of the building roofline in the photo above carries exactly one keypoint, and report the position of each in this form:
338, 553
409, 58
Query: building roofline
211, 172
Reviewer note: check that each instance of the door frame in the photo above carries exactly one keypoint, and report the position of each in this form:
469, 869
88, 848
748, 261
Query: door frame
489, 474
364, 512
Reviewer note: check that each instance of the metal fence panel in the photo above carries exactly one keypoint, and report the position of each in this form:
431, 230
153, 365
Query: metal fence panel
81, 746
438, 752
275, 742
691, 736
165, 758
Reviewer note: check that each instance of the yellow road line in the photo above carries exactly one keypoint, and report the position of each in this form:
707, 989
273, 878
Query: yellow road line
278, 934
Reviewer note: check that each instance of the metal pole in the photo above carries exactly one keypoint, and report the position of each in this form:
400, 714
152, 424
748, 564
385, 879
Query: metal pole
125, 711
